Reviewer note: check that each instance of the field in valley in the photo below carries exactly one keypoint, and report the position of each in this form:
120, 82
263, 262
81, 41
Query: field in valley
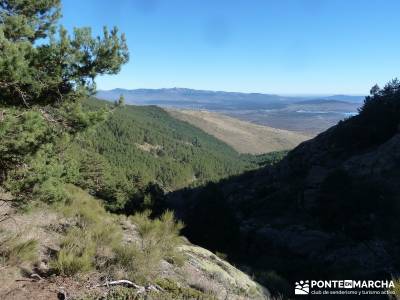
243, 136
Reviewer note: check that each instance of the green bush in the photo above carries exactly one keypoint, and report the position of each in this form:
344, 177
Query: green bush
162, 233
14, 250
91, 242
77, 253
83, 208
172, 291
95, 241
396, 287
158, 239
87, 248
42, 85
176, 291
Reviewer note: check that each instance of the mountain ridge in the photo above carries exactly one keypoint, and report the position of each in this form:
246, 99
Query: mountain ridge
141, 95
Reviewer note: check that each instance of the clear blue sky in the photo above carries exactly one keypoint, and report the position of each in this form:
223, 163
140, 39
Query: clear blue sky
280, 46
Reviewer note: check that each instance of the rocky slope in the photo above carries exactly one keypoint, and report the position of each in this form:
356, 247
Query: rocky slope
328, 210
203, 275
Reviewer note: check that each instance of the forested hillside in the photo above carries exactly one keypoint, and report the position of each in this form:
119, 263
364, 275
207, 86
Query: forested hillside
90, 191
58, 149
143, 148
157, 147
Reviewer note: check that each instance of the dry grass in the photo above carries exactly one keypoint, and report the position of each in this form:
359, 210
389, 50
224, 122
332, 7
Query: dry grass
198, 281
86, 245
90, 243
244, 137
159, 239
14, 250
209, 274
396, 288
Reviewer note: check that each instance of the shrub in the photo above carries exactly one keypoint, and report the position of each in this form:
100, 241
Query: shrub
14, 251
90, 244
171, 291
96, 241
176, 291
120, 293
162, 233
84, 209
396, 288
69, 263
84, 249
159, 239
76, 254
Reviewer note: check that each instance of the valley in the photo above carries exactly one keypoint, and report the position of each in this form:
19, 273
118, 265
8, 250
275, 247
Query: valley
244, 137
307, 115
185, 194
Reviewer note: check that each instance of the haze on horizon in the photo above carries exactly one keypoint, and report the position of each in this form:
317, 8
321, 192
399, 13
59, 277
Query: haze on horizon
308, 47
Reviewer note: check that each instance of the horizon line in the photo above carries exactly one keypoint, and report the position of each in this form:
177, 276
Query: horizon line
225, 91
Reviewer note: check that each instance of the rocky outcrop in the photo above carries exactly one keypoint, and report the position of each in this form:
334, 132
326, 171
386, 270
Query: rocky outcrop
207, 270
383, 160
202, 271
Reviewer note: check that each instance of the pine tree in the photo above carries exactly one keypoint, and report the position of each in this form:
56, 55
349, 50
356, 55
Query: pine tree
120, 101
59, 67
44, 75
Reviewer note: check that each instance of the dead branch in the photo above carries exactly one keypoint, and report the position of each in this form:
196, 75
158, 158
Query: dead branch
120, 282
141, 289
23, 96
33, 278
36, 277
47, 116
4, 216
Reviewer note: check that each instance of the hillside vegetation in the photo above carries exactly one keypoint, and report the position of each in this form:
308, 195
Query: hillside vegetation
141, 152
304, 115
73, 247
58, 149
155, 146
244, 137
88, 188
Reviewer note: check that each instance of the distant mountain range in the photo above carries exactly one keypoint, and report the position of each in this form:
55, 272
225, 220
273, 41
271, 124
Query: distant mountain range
346, 98
181, 97
309, 115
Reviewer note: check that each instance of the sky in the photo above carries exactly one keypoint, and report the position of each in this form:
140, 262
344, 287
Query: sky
299, 47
